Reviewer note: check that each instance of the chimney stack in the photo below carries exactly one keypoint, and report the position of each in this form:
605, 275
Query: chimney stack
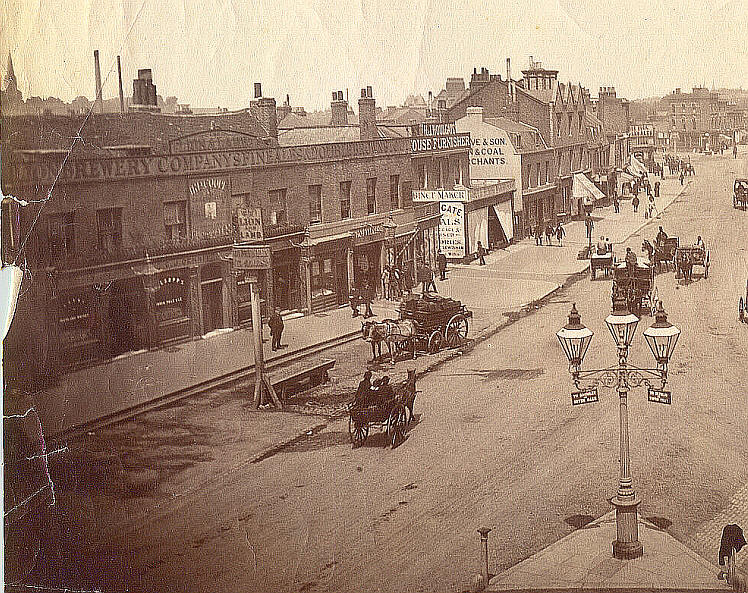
121, 93
144, 92
367, 117
339, 110
267, 114
258, 90
97, 70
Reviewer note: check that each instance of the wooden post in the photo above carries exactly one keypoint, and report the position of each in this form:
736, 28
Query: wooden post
262, 383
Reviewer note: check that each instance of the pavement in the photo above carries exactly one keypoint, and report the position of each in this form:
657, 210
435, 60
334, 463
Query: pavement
583, 561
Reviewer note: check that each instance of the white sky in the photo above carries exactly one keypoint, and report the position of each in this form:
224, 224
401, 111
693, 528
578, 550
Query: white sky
209, 52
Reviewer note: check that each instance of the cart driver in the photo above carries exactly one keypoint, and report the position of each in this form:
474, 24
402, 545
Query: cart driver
700, 242
631, 260
363, 393
661, 236
602, 246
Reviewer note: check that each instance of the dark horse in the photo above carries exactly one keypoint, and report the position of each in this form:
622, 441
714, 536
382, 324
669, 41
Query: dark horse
396, 334
658, 254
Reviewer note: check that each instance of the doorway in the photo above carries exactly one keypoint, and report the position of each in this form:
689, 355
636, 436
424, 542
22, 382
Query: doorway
212, 305
128, 316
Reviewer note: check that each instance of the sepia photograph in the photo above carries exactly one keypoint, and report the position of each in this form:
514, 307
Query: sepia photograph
373, 296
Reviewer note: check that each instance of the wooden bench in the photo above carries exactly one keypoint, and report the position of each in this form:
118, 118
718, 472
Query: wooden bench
300, 376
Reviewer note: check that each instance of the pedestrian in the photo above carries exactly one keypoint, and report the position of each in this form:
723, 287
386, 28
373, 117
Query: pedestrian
355, 300
548, 233
560, 233
386, 282
589, 224
441, 261
657, 189
276, 329
481, 254
396, 281
630, 260
429, 285
616, 204
681, 177
734, 151
635, 203
368, 297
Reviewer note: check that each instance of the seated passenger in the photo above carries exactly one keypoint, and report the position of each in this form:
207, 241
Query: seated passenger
602, 246
631, 260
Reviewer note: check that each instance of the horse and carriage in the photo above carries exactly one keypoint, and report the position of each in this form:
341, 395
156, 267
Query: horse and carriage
683, 258
636, 285
380, 405
740, 194
426, 323
661, 253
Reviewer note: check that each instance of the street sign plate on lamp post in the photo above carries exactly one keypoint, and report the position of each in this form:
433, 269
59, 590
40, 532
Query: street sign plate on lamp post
585, 396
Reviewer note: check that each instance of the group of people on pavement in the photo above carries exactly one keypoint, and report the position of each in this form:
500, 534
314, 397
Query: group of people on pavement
363, 294
393, 282
550, 233
426, 273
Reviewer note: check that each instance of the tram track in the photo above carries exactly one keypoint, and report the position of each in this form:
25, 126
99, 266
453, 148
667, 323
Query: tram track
241, 374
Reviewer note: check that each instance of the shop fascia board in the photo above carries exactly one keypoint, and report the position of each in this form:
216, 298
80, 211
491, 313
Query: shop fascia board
340, 229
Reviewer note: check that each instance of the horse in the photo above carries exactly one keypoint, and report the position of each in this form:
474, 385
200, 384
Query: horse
396, 334
657, 255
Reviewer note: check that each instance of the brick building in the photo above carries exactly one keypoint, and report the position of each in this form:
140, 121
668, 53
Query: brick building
133, 248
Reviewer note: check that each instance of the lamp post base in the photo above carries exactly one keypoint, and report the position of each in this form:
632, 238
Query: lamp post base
627, 545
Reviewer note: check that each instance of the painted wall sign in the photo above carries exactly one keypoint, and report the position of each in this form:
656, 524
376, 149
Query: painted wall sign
452, 229
25, 170
435, 143
424, 129
251, 257
248, 224
212, 140
440, 195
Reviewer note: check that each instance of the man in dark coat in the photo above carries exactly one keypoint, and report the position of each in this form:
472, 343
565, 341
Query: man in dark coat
276, 328
368, 296
441, 262
481, 254
732, 539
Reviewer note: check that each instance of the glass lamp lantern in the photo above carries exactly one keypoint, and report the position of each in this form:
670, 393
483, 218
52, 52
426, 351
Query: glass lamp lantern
621, 323
575, 338
661, 336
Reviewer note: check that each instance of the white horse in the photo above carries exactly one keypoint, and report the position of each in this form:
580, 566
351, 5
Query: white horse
396, 334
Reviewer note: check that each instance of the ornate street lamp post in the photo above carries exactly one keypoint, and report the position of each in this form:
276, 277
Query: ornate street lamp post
661, 337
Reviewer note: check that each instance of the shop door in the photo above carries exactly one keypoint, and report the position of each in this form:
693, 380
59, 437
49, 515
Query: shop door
281, 288
212, 305
128, 318
341, 275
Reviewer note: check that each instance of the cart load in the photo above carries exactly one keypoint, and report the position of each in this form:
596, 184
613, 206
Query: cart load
437, 320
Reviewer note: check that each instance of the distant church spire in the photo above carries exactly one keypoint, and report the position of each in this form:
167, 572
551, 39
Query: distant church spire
10, 76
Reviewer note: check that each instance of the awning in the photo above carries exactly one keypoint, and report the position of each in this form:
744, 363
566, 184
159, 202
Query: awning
585, 189
503, 212
636, 167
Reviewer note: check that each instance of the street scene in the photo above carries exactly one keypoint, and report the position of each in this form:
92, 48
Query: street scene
492, 339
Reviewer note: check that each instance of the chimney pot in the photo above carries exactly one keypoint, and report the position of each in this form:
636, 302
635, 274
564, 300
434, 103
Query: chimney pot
368, 92
258, 90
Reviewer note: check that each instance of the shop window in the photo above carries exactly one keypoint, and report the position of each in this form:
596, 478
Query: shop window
61, 236
278, 208
345, 199
371, 195
171, 299
395, 192
109, 228
315, 203
322, 276
175, 220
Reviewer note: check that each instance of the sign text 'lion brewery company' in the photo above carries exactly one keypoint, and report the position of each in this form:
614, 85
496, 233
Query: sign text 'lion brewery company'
251, 257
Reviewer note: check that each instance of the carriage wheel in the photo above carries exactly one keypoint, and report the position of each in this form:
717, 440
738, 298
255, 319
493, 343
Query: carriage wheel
706, 265
396, 425
357, 432
435, 341
741, 309
457, 330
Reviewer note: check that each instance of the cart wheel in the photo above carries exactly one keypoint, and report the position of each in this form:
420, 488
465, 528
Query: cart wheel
396, 425
357, 432
741, 309
435, 341
457, 330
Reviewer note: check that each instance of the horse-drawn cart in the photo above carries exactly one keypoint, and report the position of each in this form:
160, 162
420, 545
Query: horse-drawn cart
636, 285
740, 194
662, 252
602, 262
688, 256
438, 321
389, 411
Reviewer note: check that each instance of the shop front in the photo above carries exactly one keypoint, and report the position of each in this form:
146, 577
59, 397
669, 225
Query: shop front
328, 274
172, 306
244, 295
368, 252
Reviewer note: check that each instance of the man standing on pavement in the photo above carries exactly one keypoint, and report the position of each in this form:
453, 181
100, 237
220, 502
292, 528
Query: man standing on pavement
481, 254
368, 295
441, 261
560, 233
616, 203
734, 151
588, 222
635, 203
276, 329
538, 234
657, 189
548, 234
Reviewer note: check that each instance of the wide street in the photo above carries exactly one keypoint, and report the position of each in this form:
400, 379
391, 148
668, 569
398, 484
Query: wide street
496, 443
